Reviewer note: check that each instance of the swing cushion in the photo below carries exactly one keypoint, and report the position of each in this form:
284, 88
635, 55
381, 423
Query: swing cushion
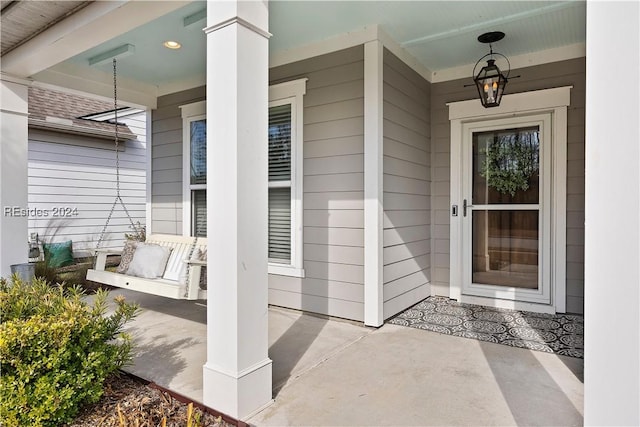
127, 256
149, 261
58, 254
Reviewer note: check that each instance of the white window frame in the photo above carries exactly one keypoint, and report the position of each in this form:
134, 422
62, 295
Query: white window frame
292, 93
554, 102
190, 113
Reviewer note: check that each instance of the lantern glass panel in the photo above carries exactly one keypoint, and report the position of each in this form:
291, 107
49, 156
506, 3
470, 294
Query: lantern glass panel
490, 83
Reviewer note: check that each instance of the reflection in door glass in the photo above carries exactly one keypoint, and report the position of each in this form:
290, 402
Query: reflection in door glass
505, 248
506, 166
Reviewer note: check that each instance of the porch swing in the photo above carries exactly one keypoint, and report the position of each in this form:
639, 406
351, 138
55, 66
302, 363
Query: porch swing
181, 278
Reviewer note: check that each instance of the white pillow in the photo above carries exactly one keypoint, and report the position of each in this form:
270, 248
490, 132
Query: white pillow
149, 261
175, 265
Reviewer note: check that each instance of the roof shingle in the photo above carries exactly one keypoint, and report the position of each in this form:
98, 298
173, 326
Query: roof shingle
45, 103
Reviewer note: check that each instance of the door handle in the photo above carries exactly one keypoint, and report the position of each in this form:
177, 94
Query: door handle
465, 206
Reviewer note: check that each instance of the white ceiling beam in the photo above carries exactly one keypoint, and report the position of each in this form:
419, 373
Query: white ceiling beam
332, 44
563, 53
184, 84
93, 25
86, 80
346, 40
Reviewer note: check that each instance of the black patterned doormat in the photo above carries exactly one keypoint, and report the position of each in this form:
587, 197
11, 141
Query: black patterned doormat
561, 334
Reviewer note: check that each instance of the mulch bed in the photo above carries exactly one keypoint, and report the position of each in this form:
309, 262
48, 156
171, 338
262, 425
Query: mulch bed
131, 401
128, 401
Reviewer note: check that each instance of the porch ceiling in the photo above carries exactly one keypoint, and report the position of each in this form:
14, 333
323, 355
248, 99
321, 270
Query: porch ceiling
440, 35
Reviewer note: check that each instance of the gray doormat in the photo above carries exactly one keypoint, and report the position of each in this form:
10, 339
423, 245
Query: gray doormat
560, 334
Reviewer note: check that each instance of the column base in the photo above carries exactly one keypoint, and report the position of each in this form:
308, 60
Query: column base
239, 395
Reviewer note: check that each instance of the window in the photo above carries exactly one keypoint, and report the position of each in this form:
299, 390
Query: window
194, 215
280, 184
285, 175
285, 178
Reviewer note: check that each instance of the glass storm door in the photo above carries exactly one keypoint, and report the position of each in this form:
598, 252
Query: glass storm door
506, 216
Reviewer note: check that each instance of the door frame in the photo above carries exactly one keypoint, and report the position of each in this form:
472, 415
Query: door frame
542, 294
547, 101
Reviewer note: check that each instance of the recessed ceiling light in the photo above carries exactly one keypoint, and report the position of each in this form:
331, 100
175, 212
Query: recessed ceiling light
172, 44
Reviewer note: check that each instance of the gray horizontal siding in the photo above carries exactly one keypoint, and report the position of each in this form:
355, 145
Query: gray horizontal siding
81, 175
406, 186
563, 73
166, 161
333, 187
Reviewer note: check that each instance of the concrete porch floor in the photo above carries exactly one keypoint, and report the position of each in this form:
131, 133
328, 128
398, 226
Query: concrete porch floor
333, 372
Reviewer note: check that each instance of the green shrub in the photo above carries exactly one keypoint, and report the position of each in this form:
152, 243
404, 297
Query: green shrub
56, 350
46, 272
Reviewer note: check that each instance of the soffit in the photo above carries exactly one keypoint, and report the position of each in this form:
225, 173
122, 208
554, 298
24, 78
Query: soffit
440, 35
20, 21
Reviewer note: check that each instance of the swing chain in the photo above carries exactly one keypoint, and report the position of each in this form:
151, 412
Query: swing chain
115, 119
117, 142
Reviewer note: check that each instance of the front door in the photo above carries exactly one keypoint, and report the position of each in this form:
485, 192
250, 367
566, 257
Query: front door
506, 191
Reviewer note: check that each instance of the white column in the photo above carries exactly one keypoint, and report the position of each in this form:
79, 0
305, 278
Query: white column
612, 215
13, 175
237, 376
373, 191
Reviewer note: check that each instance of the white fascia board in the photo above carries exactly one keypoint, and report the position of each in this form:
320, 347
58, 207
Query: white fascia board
13, 79
333, 44
75, 129
345, 41
89, 27
563, 53
374, 32
182, 85
75, 78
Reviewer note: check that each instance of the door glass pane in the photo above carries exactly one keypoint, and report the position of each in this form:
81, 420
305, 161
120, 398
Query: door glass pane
506, 166
198, 152
505, 248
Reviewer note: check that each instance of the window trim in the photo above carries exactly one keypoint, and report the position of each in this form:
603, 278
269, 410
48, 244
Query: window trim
190, 113
292, 92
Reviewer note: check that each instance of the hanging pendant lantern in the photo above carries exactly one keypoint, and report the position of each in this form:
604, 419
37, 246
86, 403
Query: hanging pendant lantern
490, 81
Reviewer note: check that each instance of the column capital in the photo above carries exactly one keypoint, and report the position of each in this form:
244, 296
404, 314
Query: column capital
239, 21
253, 15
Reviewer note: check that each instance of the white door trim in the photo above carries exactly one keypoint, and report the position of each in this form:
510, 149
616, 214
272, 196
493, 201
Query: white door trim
555, 102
